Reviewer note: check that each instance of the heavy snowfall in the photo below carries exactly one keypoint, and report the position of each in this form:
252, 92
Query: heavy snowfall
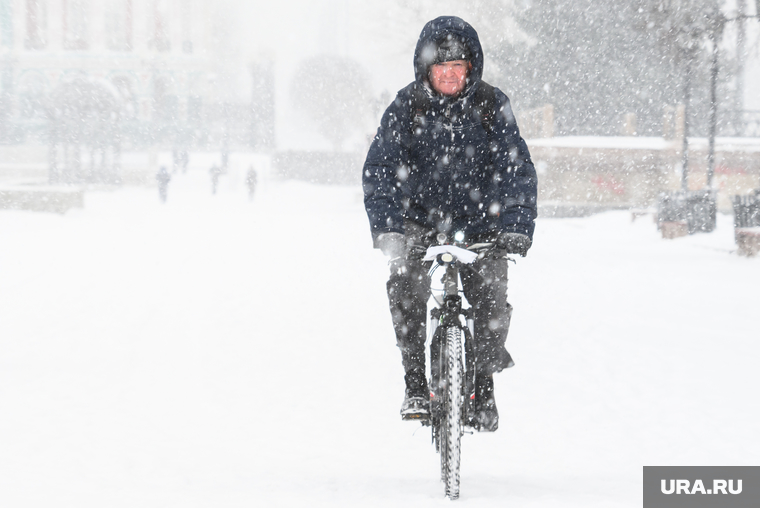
203, 353
222, 348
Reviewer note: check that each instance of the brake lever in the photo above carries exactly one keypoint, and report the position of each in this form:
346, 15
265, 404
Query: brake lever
416, 252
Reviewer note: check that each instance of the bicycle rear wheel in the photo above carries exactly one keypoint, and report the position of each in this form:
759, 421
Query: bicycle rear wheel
451, 419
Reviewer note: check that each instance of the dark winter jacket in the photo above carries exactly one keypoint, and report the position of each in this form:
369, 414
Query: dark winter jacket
443, 170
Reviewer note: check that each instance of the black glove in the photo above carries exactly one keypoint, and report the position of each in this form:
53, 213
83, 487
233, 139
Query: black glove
514, 243
393, 245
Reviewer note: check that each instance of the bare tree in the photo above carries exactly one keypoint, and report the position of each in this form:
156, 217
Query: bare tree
335, 94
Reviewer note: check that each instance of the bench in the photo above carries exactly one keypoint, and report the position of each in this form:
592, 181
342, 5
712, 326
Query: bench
747, 223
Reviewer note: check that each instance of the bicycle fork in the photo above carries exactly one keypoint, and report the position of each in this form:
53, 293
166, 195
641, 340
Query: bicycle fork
441, 318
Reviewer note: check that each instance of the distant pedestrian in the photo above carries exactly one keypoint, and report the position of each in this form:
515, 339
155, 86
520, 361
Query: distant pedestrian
215, 172
225, 160
250, 181
180, 159
184, 159
163, 177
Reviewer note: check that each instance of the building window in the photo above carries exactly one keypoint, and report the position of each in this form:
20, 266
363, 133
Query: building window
165, 102
186, 27
6, 24
36, 24
194, 109
75, 24
32, 87
118, 25
126, 88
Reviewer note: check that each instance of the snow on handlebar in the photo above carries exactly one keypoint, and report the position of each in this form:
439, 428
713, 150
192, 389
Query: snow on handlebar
466, 255
458, 253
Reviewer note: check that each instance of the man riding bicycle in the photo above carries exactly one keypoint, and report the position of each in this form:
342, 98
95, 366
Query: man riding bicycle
448, 158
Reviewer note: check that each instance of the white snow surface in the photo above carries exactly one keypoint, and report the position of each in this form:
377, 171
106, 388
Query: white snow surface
220, 352
750, 145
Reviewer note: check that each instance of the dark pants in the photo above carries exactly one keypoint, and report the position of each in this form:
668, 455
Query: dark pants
485, 288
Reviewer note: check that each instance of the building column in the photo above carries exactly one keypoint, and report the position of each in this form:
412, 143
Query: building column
55, 25
18, 8
142, 14
97, 27
175, 26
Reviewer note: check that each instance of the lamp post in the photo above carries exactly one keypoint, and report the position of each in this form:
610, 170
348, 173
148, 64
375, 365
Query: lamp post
697, 208
685, 142
717, 22
688, 38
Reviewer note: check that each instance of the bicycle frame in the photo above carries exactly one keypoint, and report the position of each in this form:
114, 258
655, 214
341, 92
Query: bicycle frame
452, 366
452, 377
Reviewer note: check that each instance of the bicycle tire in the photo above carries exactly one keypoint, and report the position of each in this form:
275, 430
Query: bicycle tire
451, 421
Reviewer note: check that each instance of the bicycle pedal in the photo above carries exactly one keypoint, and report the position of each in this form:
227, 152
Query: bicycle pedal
415, 417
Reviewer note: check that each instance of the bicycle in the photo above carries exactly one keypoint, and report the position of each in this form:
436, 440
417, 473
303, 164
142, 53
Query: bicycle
452, 360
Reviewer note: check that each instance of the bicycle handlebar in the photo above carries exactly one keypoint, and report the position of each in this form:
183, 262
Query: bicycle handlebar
421, 251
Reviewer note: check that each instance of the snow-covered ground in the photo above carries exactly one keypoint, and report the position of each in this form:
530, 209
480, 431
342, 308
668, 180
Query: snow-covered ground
216, 352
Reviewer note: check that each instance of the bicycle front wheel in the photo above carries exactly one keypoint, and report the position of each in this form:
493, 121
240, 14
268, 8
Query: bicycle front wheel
452, 416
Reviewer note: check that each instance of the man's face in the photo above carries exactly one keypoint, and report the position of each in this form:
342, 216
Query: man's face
449, 78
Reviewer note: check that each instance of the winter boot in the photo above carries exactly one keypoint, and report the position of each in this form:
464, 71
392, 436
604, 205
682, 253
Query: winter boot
416, 405
486, 417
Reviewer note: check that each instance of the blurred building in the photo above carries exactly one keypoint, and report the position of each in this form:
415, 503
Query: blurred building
161, 58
